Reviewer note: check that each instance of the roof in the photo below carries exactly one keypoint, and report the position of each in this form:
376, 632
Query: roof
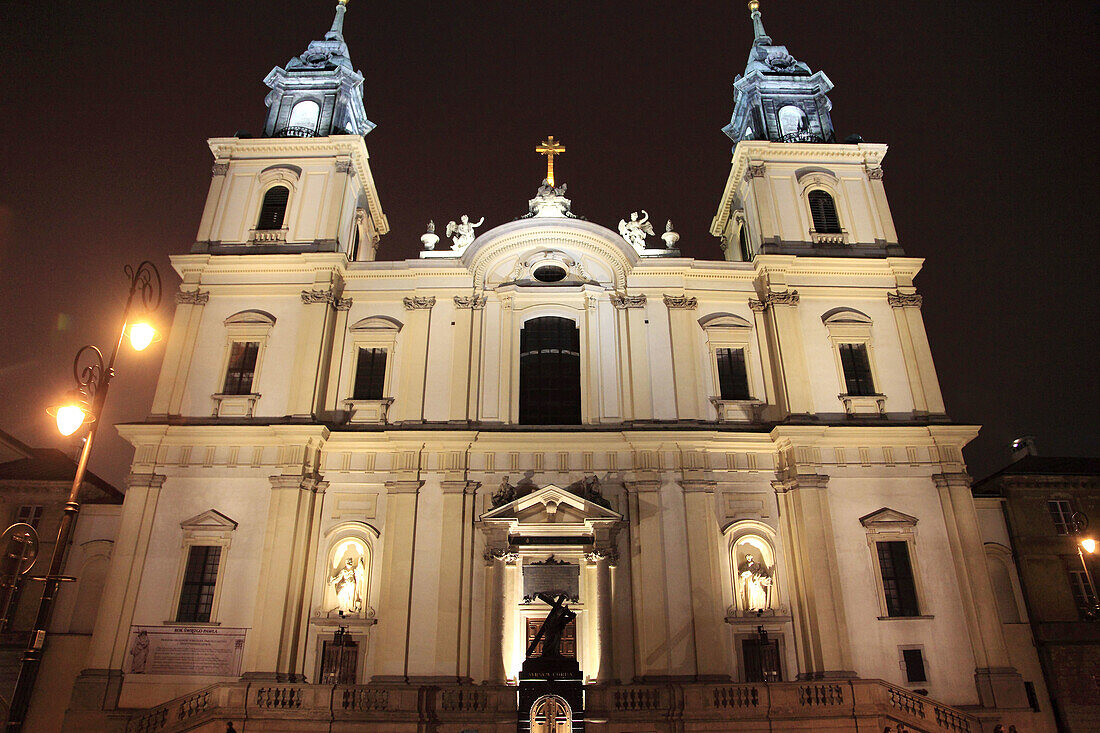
1041, 466
49, 465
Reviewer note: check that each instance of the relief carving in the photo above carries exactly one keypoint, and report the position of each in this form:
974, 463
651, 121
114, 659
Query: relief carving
193, 297
622, 301
904, 300
474, 302
681, 301
419, 302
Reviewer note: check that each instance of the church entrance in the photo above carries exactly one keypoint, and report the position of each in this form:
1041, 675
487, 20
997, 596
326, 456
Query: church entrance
551, 714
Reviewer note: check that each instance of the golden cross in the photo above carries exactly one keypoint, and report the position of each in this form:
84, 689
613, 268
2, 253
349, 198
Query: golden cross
550, 147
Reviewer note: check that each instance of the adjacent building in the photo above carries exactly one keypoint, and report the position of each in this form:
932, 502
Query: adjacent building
357, 475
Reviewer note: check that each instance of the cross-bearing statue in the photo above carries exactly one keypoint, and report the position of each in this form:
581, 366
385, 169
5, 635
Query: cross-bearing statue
553, 628
462, 234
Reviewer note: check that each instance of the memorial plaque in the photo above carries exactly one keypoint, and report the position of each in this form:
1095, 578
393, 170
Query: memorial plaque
185, 650
551, 577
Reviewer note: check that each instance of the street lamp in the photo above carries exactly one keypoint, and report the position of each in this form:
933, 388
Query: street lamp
84, 406
1080, 523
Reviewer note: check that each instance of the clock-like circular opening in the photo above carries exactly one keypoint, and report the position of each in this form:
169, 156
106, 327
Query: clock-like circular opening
549, 273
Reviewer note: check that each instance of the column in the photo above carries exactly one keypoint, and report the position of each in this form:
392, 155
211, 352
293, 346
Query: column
999, 684
601, 560
179, 349
704, 543
495, 560
464, 358
395, 599
414, 358
272, 651
682, 332
314, 329
820, 621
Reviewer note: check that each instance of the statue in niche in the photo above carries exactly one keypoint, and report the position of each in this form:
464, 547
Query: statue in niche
349, 581
636, 230
506, 493
756, 583
462, 233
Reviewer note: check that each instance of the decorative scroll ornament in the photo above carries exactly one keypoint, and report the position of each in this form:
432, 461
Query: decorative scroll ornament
904, 300
611, 554
754, 171
219, 169
874, 172
312, 297
193, 297
623, 302
681, 301
342, 304
419, 302
787, 297
473, 302
343, 166
507, 556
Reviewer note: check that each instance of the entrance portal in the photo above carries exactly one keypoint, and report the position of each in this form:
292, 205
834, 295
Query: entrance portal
551, 714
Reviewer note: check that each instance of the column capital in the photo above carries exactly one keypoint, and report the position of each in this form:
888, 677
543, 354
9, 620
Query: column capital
419, 302
309, 482
145, 480
471, 302
459, 487
770, 298
951, 480
642, 486
698, 485
681, 301
507, 556
804, 481
904, 300
621, 301
610, 554
193, 297
403, 487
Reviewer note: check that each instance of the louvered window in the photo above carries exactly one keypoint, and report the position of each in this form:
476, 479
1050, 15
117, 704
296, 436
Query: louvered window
273, 209
549, 372
823, 211
370, 374
857, 369
733, 379
242, 367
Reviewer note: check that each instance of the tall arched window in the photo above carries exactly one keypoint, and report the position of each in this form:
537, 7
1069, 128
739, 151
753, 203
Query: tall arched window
743, 241
305, 115
791, 120
823, 211
549, 372
273, 209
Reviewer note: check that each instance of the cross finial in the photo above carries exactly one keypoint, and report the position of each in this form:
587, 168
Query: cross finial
550, 147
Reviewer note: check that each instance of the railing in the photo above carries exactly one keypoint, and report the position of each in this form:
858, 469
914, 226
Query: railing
739, 696
296, 132
362, 699
177, 711
801, 136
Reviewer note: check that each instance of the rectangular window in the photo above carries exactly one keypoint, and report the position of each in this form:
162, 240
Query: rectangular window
29, 514
857, 369
242, 367
897, 578
1061, 514
733, 379
370, 374
913, 659
199, 580
1084, 595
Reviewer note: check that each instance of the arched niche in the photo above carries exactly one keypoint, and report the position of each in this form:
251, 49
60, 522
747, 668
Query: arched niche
754, 568
347, 570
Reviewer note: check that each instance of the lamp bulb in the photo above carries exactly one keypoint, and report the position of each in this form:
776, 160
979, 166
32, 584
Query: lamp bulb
69, 419
141, 335
1089, 545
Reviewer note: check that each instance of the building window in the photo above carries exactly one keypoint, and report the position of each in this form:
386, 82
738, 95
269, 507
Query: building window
200, 579
913, 662
303, 118
242, 367
823, 211
1061, 513
743, 241
898, 585
1084, 595
370, 374
857, 369
273, 208
549, 372
733, 379
29, 514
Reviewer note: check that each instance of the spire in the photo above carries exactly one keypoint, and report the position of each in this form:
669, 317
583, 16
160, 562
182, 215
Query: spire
319, 93
336, 33
757, 24
779, 99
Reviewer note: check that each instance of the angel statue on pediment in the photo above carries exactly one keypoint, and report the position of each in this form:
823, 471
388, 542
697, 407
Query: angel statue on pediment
636, 230
462, 233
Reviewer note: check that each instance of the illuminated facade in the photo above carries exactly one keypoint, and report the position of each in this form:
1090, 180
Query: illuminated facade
357, 474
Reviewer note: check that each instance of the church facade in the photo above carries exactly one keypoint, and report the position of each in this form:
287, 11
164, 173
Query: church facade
358, 475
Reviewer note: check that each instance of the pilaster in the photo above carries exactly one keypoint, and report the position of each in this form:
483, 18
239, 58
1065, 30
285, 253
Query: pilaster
634, 354
414, 361
180, 347
784, 332
683, 335
919, 365
395, 599
333, 399
758, 190
455, 577
314, 333
703, 541
464, 358
600, 563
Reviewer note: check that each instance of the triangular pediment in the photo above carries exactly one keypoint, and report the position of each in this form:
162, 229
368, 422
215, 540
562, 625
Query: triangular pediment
886, 518
551, 504
209, 521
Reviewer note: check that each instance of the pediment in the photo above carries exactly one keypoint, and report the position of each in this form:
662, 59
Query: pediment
209, 521
887, 518
551, 505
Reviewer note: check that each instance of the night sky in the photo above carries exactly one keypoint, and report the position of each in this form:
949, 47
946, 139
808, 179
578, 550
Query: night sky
989, 109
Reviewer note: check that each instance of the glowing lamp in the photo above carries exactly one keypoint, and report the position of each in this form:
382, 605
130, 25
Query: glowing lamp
1089, 545
141, 335
70, 417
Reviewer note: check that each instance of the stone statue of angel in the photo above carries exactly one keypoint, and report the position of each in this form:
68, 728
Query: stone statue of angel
462, 234
636, 230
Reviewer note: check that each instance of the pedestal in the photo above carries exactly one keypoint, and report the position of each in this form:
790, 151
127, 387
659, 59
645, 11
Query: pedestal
549, 686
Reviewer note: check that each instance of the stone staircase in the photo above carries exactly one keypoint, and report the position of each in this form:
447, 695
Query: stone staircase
848, 705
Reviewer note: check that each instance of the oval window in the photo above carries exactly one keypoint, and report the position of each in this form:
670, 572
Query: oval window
549, 274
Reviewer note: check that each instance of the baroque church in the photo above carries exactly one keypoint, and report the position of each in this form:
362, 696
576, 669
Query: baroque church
737, 474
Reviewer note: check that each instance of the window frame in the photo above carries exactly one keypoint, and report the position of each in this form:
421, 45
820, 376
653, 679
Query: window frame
1067, 517
730, 331
208, 529
826, 182
31, 519
372, 332
517, 349
242, 327
905, 667
849, 326
890, 525
276, 175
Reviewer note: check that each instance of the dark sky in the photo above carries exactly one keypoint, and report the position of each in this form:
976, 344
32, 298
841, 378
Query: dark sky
989, 109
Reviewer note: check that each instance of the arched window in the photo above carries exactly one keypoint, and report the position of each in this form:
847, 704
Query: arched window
823, 211
791, 120
743, 240
549, 372
305, 115
273, 209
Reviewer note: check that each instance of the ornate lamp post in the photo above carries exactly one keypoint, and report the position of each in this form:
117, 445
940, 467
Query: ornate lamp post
84, 407
1086, 544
